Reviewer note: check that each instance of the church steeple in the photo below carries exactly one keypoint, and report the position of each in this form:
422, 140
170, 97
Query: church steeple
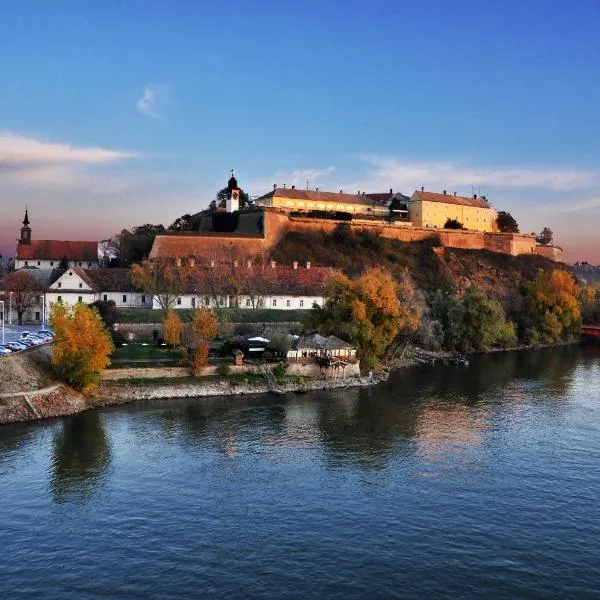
25, 230
233, 194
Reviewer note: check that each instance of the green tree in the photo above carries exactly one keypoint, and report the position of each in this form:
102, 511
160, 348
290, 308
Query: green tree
453, 224
545, 238
221, 200
507, 223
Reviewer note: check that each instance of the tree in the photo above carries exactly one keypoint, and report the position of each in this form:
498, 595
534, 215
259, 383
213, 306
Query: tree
135, 245
63, 265
545, 238
164, 279
590, 304
553, 307
25, 289
172, 328
453, 224
221, 200
507, 223
183, 223
81, 345
108, 311
204, 328
365, 311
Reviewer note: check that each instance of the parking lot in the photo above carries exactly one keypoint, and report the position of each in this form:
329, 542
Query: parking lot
12, 333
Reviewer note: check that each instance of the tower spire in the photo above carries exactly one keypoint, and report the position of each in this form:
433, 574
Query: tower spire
25, 230
26, 219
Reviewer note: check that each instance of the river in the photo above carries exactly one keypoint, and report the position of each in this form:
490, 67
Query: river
444, 482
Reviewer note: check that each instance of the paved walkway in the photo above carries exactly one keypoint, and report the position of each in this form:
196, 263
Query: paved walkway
46, 390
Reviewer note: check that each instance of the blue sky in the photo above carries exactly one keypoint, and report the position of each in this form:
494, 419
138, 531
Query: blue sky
116, 113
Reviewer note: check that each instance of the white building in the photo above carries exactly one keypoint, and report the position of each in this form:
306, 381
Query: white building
88, 285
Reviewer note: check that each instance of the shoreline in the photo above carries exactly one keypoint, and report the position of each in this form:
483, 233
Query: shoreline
58, 400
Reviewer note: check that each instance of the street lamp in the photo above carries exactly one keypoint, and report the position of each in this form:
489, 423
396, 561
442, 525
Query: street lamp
2, 302
43, 309
10, 307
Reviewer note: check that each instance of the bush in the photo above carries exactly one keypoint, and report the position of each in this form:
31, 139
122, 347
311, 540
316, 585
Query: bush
223, 370
280, 370
453, 224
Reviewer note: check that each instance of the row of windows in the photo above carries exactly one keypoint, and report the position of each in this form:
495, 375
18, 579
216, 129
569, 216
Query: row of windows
52, 263
261, 302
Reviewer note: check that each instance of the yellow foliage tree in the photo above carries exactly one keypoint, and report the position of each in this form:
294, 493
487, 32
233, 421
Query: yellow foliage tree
81, 345
204, 328
555, 305
172, 328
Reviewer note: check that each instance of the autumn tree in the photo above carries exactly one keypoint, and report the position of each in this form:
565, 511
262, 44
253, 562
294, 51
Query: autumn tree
81, 345
164, 279
172, 328
553, 307
590, 303
506, 222
365, 311
203, 328
25, 289
545, 237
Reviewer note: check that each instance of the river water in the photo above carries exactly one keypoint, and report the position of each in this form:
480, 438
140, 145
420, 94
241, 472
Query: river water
444, 482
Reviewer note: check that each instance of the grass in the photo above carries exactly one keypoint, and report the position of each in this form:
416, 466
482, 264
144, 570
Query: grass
237, 379
149, 352
233, 315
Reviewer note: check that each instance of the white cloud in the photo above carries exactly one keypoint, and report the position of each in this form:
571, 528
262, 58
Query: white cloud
153, 100
299, 177
385, 172
20, 153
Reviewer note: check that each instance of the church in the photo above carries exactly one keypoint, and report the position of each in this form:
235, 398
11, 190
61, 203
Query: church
49, 254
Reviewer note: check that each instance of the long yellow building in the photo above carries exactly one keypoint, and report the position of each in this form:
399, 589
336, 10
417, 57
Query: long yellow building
429, 209
296, 200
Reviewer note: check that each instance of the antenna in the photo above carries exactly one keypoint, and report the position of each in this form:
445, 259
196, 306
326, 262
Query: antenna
307, 184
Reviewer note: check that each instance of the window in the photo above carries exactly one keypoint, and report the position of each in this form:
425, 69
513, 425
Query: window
89, 264
301, 303
81, 285
37, 316
207, 301
51, 263
60, 298
79, 264
287, 303
274, 302
179, 301
39, 263
26, 263
59, 284
105, 297
70, 273
124, 298
193, 302
248, 303
221, 302
80, 299
143, 299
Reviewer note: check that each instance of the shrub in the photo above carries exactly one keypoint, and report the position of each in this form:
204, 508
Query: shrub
223, 370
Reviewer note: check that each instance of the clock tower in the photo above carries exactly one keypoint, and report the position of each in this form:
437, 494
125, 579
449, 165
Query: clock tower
233, 194
25, 230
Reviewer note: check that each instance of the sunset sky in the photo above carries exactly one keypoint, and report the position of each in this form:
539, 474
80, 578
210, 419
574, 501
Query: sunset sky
123, 112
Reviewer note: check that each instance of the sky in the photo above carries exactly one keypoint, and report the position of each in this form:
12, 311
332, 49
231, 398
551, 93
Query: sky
124, 112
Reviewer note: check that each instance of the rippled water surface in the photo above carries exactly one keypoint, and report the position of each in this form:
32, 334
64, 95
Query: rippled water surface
442, 483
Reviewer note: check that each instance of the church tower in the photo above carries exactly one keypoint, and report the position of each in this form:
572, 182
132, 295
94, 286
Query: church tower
25, 230
233, 195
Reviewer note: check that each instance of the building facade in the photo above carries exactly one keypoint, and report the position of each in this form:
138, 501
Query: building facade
430, 209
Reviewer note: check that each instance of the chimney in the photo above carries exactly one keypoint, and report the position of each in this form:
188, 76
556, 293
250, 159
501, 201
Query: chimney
391, 191
455, 193
212, 263
274, 186
192, 261
422, 188
444, 192
293, 187
248, 263
316, 189
474, 196
341, 191
363, 193
295, 264
273, 264
308, 264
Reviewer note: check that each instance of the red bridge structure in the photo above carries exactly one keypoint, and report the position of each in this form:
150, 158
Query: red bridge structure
591, 329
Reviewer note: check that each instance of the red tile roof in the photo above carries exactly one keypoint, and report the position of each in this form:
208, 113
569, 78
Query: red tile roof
450, 199
58, 249
294, 194
202, 246
278, 280
110, 280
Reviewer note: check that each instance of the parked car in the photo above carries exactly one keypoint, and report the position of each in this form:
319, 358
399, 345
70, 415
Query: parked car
24, 334
16, 346
4, 350
46, 332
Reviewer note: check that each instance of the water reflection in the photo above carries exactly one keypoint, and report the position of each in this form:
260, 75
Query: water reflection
81, 455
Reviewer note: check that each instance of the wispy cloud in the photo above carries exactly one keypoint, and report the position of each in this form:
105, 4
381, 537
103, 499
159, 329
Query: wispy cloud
298, 177
153, 100
19, 153
383, 172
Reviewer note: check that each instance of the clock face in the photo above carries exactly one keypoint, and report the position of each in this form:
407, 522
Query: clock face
235, 195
